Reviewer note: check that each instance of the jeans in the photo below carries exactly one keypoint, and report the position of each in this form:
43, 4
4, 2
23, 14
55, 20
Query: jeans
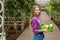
39, 36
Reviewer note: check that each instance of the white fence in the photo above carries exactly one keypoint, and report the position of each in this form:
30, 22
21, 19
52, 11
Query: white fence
2, 34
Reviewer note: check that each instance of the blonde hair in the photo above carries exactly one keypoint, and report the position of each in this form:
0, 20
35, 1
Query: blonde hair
34, 9
33, 12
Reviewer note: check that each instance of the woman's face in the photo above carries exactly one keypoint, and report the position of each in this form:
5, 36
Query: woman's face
36, 11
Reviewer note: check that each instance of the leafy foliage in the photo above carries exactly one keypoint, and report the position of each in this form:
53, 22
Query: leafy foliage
16, 8
53, 9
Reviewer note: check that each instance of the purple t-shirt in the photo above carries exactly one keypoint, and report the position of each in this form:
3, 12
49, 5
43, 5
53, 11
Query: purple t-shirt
35, 23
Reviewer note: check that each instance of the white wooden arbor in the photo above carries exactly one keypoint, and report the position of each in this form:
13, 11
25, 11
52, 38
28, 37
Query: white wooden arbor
2, 34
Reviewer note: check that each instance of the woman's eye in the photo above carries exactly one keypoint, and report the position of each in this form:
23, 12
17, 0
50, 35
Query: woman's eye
36, 10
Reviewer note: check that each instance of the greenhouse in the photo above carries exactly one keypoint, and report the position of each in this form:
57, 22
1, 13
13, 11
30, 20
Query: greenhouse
15, 17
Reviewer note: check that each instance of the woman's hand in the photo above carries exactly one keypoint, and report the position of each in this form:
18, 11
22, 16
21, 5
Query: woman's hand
45, 30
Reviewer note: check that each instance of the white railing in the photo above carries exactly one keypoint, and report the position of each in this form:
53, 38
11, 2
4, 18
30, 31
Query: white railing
2, 34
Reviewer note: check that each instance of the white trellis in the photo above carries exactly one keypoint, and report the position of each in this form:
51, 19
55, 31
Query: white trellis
2, 34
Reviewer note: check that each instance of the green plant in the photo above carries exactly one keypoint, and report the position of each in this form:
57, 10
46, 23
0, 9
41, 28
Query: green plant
16, 8
53, 9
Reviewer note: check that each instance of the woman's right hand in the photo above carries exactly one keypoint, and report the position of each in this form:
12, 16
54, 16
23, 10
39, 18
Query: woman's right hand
45, 30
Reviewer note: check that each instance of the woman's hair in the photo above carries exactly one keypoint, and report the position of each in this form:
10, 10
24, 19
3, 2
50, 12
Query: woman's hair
33, 12
34, 9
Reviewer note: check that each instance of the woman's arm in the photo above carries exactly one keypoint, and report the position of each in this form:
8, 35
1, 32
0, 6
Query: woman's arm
45, 30
35, 26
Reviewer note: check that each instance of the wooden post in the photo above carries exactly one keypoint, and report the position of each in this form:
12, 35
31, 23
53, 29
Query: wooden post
15, 27
22, 26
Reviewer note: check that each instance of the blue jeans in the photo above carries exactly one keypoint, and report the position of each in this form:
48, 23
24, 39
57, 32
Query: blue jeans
38, 36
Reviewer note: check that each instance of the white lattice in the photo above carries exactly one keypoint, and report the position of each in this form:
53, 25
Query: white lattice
2, 34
